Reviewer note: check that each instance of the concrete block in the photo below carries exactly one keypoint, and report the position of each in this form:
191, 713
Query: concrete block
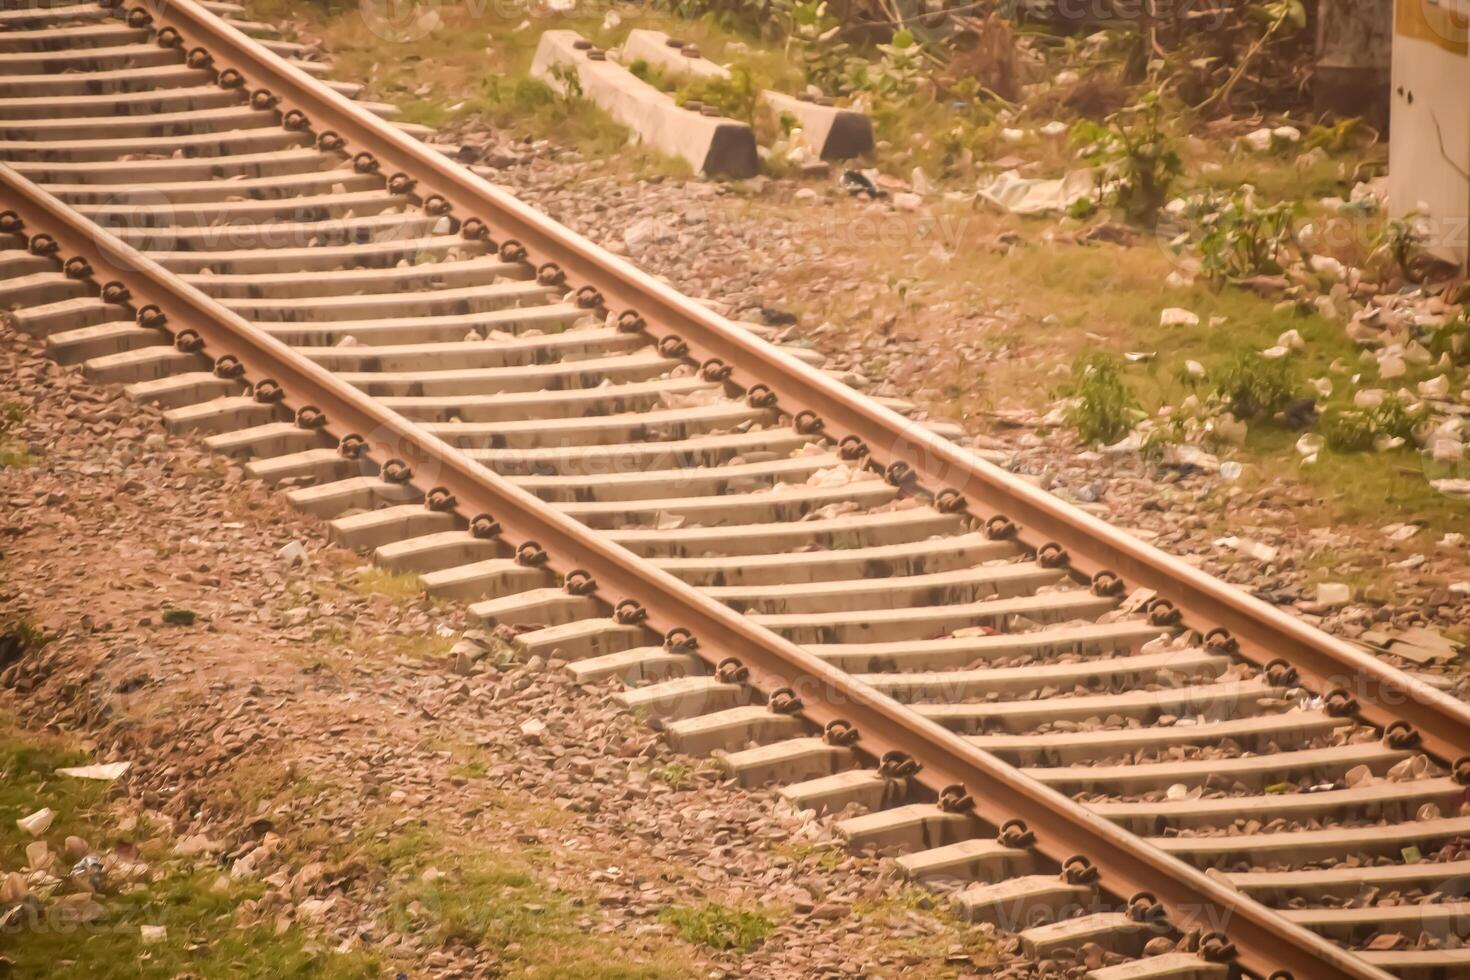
712, 145
675, 58
831, 132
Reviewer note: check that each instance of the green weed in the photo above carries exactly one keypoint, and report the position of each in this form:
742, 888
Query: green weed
1238, 239
734, 96
649, 73
1104, 410
201, 935
1347, 430
380, 581
1254, 386
719, 927
1396, 417
677, 775
489, 902
12, 414
1402, 238
1135, 156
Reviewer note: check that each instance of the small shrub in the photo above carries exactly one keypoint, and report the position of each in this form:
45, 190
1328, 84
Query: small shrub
811, 30
1135, 156
734, 96
1402, 238
646, 72
571, 81
1352, 430
719, 927
1337, 138
1237, 239
1254, 385
1105, 410
1452, 339
1396, 417
1347, 430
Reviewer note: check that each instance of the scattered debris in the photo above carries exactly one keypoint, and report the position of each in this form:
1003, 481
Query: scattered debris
106, 772
1176, 317
37, 823
1011, 192
1419, 644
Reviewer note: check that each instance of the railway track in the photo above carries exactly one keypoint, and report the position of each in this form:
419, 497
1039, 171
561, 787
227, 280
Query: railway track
1134, 767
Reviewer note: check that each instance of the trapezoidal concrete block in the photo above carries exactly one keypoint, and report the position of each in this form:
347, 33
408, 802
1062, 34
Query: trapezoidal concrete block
832, 132
712, 145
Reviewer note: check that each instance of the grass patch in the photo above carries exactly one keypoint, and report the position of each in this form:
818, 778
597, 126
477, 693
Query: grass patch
1044, 306
16, 459
12, 414
734, 96
1347, 430
474, 66
201, 935
419, 646
1282, 179
328, 641
825, 857
493, 902
380, 581
719, 927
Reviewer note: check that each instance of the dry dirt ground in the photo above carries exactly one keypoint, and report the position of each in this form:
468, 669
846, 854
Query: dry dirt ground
301, 745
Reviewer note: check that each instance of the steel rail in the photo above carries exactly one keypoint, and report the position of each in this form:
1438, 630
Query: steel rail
1265, 941
1382, 694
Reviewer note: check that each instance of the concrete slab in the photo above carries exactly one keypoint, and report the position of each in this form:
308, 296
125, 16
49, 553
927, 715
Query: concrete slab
833, 133
712, 145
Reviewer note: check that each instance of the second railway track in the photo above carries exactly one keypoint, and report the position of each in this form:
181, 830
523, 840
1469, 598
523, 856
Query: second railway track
1076, 737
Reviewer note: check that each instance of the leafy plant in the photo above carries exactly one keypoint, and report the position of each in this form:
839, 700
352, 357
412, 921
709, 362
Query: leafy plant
1237, 239
12, 414
1279, 18
902, 67
1396, 417
1347, 430
646, 72
1337, 137
1453, 338
1254, 385
571, 81
811, 30
735, 96
1103, 410
1136, 159
676, 775
1401, 239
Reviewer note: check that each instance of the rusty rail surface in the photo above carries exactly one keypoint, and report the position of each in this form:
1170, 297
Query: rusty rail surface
1265, 941
1263, 633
